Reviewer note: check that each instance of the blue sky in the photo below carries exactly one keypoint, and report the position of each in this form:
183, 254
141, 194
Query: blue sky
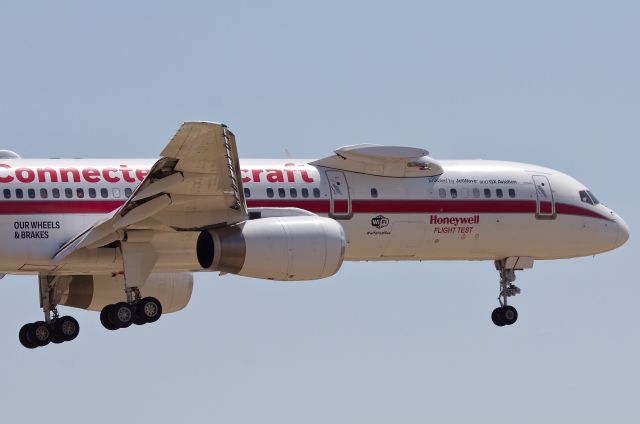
551, 83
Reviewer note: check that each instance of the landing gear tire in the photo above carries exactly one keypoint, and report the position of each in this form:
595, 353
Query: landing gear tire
509, 315
120, 315
39, 334
138, 320
22, 335
66, 328
56, 339
504, 315
496, 317
149, 309
104, 318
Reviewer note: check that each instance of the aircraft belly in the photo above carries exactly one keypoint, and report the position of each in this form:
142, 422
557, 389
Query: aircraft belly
466, 236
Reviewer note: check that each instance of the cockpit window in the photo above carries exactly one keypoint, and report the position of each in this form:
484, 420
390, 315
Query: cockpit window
587, 197
595, 200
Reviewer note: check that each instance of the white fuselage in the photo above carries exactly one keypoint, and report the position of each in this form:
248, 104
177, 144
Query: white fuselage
475, 210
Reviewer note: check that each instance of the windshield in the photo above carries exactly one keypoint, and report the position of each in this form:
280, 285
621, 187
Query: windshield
587, 197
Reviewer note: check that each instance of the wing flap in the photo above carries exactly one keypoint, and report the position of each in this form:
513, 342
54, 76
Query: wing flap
195, 185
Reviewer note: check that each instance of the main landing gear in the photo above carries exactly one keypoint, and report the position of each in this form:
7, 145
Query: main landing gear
54, 329
505, 314
136, 310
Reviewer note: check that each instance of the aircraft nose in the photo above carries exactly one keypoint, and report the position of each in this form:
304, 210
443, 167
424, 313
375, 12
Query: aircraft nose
623, 232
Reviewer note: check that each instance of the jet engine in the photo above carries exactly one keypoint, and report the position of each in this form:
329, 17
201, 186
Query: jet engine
94, 292
292, 248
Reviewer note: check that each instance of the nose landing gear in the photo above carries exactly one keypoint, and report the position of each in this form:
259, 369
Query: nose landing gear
506, 314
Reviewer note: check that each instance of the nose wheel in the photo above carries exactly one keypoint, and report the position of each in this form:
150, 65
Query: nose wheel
505, 314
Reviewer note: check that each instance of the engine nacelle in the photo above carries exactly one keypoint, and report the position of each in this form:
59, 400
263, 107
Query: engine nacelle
94, 292
290, 248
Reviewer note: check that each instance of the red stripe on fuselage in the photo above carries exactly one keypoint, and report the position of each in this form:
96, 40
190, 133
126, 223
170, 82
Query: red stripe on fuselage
27, 207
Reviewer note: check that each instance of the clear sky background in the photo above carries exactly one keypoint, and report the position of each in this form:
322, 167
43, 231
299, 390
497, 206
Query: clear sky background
554, 83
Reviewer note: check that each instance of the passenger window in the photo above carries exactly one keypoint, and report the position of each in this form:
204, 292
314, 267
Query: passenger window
19, 193
68, 193
104, 193
442, 192
7, 193
512, 193
487, 193
43, 193
499, 193
476, 193
454, 193
128, 192
247, 192
31, 193
293, 192
56, 193
374, 193
269, 192
116, 193
281, 192
80, 193
305, 192
92, 193
316, 192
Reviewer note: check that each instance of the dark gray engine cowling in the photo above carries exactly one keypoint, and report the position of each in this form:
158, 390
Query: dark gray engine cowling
291, 248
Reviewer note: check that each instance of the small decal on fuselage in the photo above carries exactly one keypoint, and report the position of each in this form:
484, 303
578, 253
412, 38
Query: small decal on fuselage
379, 221
34, 229
454, 224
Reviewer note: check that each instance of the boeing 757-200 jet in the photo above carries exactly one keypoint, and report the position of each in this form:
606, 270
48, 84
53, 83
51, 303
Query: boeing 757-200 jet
123, 236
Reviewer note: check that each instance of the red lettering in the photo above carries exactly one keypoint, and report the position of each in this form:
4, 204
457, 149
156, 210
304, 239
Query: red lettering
8, 178
291, 176
141, 173
91, 175
106, 174
305, 177
28, 178
53, 175
256, 174
245, 179
275, 176
64, 175
125, 173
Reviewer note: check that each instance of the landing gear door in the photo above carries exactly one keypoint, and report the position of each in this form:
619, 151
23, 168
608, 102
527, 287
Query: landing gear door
340, 204
545, 202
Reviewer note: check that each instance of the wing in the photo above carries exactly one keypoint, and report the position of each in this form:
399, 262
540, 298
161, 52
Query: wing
196, 184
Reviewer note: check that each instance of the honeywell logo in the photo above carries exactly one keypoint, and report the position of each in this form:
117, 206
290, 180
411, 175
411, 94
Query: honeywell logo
455, 221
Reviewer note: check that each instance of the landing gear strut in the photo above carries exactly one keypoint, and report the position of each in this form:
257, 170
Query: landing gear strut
139, 259
54, 329
505, 314
135, 310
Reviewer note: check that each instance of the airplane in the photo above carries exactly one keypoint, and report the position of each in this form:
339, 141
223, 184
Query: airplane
124, 236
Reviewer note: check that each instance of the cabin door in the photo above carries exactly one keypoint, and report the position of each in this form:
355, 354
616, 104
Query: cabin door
340, 202
545, 203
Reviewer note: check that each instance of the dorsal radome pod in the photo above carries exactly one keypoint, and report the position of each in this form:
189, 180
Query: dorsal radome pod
8, 154
387, 161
